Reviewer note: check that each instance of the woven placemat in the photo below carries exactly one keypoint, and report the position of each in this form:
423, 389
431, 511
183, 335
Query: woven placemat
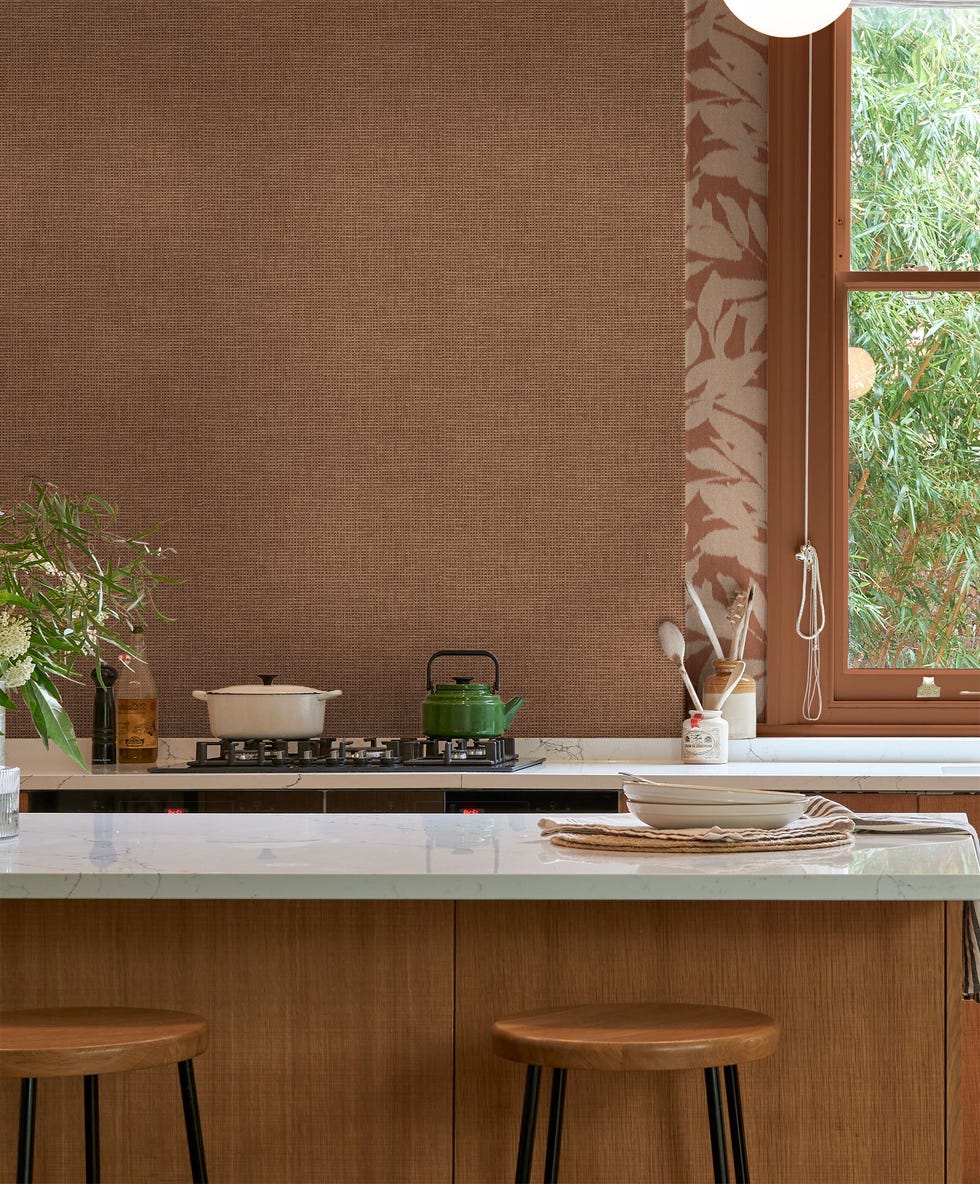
804, 834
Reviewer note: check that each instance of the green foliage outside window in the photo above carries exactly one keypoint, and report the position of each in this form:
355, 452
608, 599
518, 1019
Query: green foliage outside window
914, 475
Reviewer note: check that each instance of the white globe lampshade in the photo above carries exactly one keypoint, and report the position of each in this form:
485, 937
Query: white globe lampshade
787, 18
861, 371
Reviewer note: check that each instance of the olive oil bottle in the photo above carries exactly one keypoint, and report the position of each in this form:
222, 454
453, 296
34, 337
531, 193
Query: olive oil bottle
136, 707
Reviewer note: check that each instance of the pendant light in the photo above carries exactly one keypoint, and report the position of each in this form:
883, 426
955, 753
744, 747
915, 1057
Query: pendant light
784, 18
861, 372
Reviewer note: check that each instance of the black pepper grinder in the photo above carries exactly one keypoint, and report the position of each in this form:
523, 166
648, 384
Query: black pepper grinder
104, 717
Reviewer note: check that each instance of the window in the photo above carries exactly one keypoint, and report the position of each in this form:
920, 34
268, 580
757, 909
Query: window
894, 469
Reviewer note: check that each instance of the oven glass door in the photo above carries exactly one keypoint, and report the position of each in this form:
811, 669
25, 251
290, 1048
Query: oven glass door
113, 801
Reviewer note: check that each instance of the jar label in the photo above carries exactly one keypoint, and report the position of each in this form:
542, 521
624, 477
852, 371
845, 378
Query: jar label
700, 741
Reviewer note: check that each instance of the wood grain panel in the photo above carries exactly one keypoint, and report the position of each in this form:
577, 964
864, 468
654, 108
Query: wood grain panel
968, 804
331, 1036
854, 1093
876, 803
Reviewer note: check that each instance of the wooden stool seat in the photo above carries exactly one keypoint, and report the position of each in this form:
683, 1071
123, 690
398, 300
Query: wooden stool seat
82, 1041
642, 1036
648, 1037
88, 1042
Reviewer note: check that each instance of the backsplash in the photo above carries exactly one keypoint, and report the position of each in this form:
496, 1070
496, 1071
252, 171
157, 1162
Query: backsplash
380, 312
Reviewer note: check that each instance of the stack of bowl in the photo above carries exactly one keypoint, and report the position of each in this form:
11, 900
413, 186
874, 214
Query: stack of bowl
671, 805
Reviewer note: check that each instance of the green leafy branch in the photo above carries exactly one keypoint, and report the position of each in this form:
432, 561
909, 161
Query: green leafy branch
70, 584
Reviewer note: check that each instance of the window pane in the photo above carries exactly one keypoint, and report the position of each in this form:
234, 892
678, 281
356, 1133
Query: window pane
914, 480
915, 139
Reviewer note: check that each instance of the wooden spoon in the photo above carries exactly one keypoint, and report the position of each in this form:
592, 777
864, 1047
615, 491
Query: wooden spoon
672, 644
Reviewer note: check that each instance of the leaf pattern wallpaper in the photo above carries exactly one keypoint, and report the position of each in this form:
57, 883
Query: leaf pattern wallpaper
725, 477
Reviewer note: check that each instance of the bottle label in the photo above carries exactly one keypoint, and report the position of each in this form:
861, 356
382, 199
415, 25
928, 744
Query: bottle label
136, 723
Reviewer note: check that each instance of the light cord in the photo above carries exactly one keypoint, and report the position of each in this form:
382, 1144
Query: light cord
812, 589
812, 593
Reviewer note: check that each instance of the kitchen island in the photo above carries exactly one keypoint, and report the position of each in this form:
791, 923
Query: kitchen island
351, 965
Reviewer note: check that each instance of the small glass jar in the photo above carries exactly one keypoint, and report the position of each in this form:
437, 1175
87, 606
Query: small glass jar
739, 708
704, 740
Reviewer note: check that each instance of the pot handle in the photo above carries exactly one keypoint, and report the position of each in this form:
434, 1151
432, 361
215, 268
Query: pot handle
322, 695
429, 686
202, 695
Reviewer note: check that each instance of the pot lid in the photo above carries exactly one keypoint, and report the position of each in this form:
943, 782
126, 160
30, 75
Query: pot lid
253, 689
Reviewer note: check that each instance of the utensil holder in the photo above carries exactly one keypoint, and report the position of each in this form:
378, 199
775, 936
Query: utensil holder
704, 739
739, 709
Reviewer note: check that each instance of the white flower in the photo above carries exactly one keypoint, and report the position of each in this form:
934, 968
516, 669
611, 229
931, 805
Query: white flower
73, 581
17, 673
15, 635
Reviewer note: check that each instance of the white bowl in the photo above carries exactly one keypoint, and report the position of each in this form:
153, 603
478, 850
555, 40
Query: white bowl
737, 816
671, 791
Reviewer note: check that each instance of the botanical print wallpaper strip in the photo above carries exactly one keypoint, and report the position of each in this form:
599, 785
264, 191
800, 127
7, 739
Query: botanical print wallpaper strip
725, 478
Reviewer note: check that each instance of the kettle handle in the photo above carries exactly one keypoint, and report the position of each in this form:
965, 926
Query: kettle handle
429, 686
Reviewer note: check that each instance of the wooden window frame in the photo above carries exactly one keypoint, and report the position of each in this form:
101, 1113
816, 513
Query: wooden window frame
855, 702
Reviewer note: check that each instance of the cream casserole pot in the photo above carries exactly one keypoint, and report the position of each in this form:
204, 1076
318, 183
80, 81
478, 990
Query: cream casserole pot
265, 712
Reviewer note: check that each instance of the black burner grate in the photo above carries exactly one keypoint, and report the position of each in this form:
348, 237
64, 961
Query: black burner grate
332, 754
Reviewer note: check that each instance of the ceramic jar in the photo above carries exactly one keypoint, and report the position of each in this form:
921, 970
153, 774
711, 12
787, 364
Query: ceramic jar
704, 740
739, 708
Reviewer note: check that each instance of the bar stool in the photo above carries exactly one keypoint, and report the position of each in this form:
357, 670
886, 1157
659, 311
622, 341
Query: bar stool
629, 1037
88, 1041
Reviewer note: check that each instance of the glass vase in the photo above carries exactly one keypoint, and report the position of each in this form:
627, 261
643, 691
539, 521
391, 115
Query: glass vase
9, 788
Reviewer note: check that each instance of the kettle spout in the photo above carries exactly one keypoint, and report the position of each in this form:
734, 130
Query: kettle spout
510, 710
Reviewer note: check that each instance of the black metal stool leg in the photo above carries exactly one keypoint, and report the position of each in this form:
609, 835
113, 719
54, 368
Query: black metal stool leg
555, 1116
92, 1170
716, 1122
192, 1120
739, 1156
25, 1130
525, 1148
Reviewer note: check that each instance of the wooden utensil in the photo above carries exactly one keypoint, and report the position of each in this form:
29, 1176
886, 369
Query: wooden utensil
672, 644
705, 619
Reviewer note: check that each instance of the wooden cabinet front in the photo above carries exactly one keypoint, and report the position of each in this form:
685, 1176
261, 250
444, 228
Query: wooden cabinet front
331, 1050
968, 804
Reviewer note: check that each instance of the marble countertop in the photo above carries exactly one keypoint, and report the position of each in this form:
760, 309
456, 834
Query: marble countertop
914, 765
445, 857
918, 777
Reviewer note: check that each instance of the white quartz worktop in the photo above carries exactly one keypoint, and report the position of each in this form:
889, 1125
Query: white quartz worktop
914, 765
446, 857
938, 777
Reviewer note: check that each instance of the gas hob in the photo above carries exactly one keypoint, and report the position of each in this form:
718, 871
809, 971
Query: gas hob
495, 754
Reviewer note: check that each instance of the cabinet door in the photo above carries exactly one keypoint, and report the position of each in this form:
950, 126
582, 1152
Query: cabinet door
875, 803
968, 804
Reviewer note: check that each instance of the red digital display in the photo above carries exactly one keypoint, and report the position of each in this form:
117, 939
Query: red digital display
175, 810
470, 810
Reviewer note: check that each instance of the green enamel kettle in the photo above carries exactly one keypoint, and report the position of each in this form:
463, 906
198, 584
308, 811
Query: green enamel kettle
464, 709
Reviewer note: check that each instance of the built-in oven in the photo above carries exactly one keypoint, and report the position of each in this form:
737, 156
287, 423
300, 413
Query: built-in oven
253, 800
112, 801
175, 801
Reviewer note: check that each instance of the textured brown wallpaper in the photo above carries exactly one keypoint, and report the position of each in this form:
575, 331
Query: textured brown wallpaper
379, 306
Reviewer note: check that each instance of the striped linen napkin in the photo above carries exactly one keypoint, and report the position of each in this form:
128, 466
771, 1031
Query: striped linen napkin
824, 824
